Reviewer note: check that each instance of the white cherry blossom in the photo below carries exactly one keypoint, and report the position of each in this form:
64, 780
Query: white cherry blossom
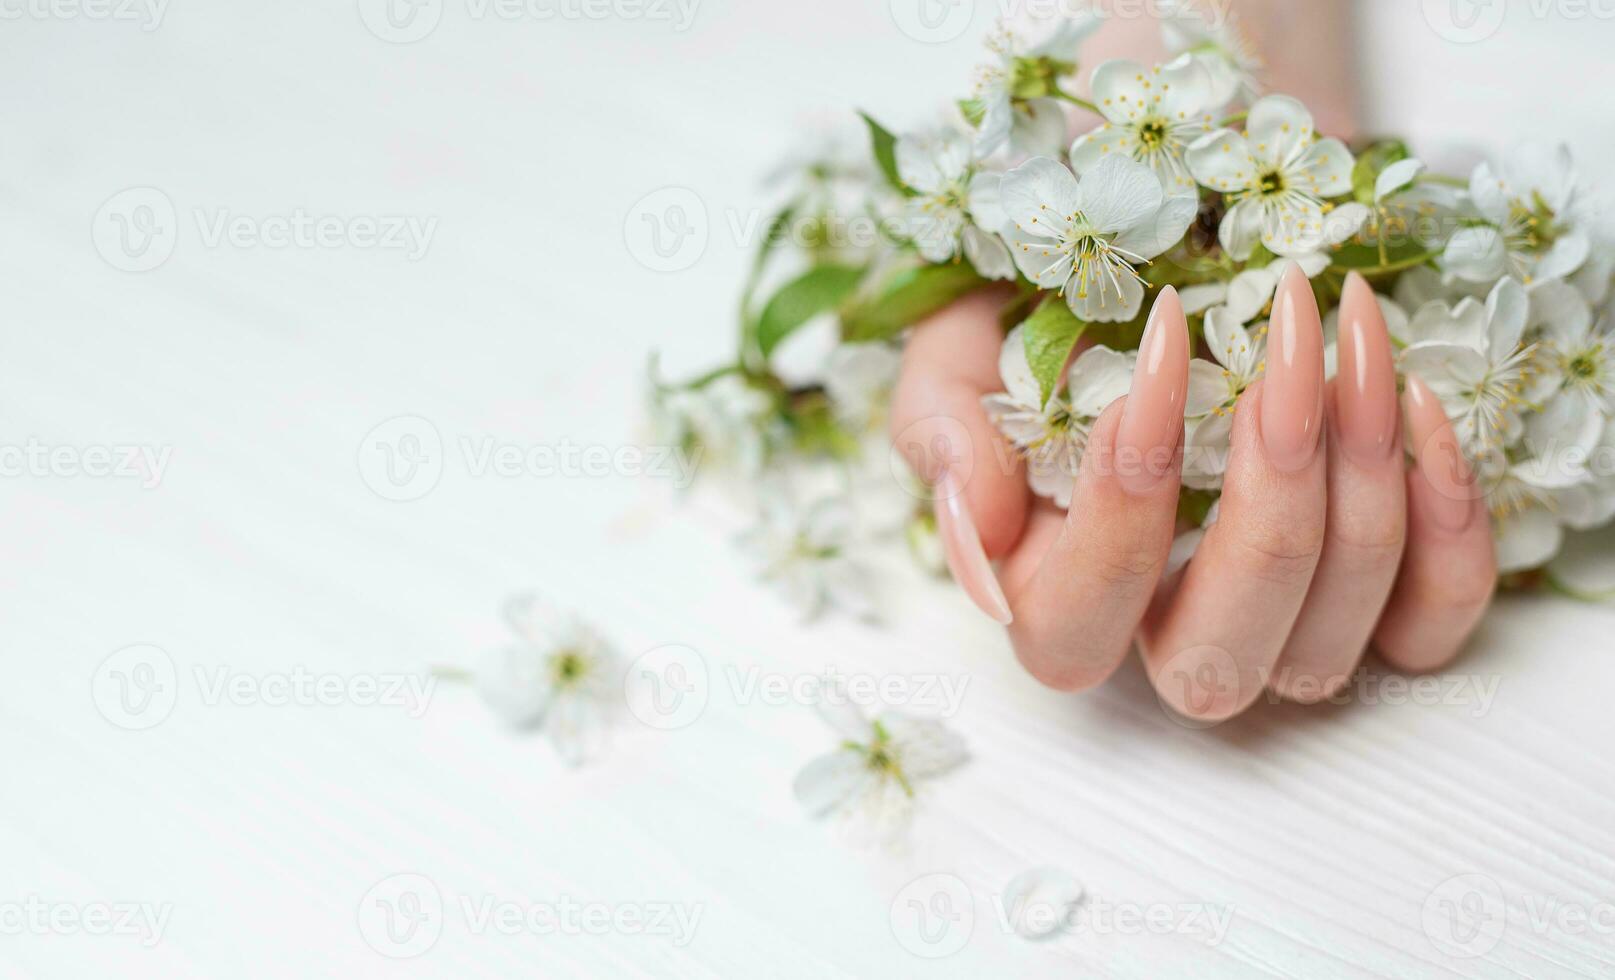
1053, 434
559, 675
869, 781
1474, 361
946, 216
1537, 227
1212, 34
803, 552
1085, 237
1014, 92
1277, 177
1151, 115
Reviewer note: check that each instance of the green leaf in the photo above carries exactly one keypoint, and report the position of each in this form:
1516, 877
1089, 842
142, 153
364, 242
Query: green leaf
884, 145
1051, 332
973, 110
1369, 164
1367, 260
909, 295
818, 290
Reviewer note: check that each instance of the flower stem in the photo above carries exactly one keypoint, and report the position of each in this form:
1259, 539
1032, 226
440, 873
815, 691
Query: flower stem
447, 673
1077, 101
1236, 117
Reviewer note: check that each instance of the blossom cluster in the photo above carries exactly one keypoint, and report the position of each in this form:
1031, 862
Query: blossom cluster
1496, 286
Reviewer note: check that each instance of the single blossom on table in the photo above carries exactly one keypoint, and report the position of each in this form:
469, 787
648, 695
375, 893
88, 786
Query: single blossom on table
870, 781
804, 552
559, 675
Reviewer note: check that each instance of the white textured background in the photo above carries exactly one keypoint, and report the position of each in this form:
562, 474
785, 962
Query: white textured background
1331, 836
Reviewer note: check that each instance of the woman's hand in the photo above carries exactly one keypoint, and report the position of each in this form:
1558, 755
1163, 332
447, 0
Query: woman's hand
1326, 540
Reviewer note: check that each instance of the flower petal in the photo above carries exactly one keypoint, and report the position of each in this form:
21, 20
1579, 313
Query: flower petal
1279, 129
1560, 311
1119, 193
1206, 388
1119, 90
1162, 230
1476, 255
1507, 310
1039, 259
1241, 229
924, 747
1016, 371
1222, 161
985, 201
1526, 539
1038, 193
988, 253
1397, 176
1097, 378
1324, 169
832, 781
515, 683
1541, 168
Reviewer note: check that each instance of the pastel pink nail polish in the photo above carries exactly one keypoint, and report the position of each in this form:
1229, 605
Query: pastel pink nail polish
1292, 395
961, 543
1450, 491
1152, 420
1365, 387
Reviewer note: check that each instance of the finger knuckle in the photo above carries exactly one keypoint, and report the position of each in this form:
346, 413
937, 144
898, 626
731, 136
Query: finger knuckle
1279, 552
1367, 543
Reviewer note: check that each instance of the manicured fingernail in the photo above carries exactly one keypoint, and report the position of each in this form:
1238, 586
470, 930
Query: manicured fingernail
1449, 497
967, 559
1365, 389
1152, 420
1292, 396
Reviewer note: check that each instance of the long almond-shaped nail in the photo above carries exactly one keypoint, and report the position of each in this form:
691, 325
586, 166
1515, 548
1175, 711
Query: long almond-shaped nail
1450, 491
1365, 387
967, 559
1152, 420
1292, 395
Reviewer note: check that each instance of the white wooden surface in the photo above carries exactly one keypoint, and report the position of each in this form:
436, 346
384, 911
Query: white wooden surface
1330, 836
